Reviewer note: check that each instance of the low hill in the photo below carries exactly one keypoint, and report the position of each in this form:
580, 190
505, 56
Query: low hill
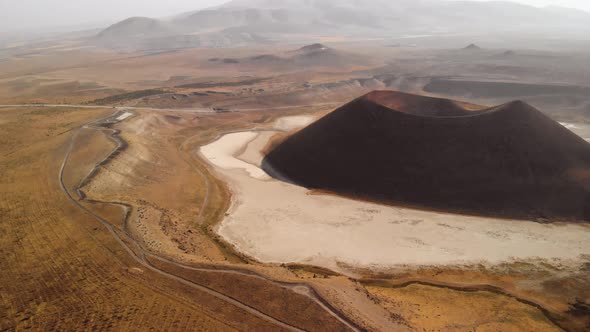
510, 160
313, 48
310, 56
509, 53
321, 55
135, 27
472, 47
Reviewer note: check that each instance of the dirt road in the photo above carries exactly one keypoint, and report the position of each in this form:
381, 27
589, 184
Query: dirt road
139, 254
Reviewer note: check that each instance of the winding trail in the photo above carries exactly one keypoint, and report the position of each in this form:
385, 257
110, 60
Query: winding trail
140, 254
121, 145
206, 198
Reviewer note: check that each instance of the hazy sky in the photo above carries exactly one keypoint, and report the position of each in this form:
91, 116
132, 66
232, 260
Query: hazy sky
29, 14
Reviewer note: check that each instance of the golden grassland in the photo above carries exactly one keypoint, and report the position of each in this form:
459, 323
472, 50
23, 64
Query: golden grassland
429, 308
62, 270
557, 292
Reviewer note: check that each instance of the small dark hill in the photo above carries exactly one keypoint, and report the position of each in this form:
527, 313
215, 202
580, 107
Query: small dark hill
506, 55
321, 55
133, 28
472, 47
510, 160
509, 53
266, 57
269, 60
306, 57
314, 48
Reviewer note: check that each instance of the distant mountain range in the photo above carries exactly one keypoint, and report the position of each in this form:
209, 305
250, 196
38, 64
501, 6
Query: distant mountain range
241, 22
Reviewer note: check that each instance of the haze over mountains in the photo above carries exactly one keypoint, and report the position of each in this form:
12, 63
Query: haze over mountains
242, 22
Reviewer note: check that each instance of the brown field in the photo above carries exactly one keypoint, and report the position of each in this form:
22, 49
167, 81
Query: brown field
435, 309
136, 248
61, 269
558, 292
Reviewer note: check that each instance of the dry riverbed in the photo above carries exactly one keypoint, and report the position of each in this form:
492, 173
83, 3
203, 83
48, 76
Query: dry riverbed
277, 222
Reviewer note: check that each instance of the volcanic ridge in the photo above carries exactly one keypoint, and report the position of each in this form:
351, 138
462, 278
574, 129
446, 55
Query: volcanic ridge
314, 55
508, 161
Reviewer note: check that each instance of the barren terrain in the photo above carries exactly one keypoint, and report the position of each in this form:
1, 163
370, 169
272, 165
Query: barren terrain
132, 197
282, 223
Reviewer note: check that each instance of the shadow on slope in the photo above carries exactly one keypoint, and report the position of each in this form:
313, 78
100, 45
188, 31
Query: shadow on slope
510, 160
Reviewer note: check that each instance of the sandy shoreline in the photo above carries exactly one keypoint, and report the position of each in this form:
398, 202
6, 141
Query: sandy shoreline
276, 222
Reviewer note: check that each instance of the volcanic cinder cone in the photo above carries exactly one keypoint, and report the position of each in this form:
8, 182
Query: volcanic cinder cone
510, 160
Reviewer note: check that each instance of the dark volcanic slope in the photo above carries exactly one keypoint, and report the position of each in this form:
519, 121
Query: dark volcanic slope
509, 160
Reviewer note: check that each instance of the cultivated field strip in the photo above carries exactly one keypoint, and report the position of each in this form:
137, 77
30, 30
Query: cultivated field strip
59, 271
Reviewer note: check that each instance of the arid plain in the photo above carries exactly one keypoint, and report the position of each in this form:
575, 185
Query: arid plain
132, 197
